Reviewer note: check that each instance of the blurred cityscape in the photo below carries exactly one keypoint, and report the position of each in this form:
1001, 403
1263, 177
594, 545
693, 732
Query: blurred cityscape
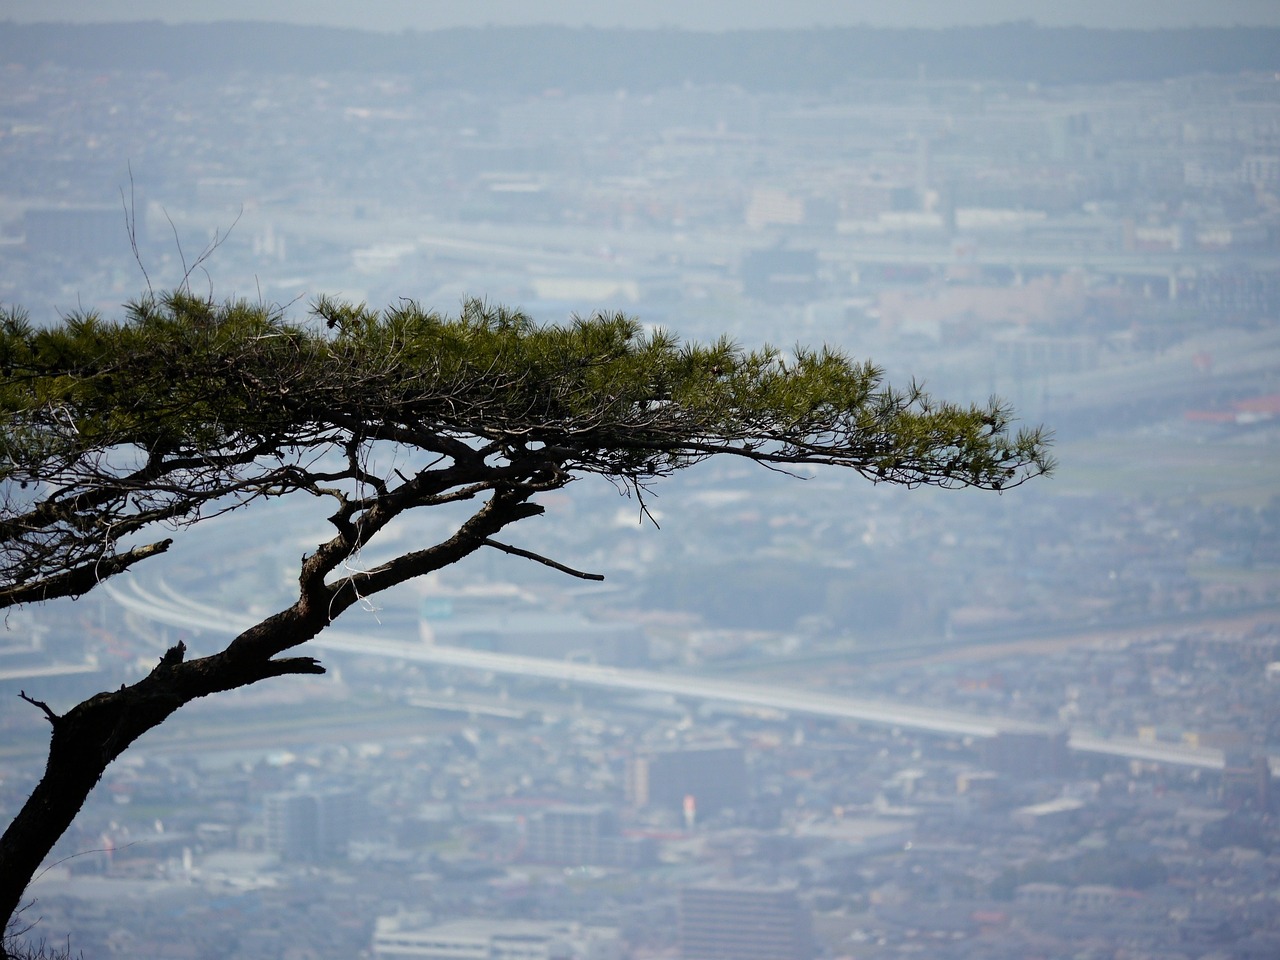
1102, 647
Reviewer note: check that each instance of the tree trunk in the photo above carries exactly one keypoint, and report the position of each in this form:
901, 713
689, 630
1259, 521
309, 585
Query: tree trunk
84, 741
93, 733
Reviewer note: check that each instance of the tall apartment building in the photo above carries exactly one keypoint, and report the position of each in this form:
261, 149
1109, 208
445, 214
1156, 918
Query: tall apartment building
739, 922
310, 826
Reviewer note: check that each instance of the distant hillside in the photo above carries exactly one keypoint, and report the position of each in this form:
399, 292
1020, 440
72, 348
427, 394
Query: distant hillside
538, 58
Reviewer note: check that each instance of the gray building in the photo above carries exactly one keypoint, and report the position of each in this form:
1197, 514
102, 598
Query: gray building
739, 922
310, 826
583, 836
714, 776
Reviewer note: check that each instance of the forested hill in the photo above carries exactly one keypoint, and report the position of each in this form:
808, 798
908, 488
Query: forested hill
539, 58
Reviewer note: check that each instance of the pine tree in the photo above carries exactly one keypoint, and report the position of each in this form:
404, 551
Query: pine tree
187, 408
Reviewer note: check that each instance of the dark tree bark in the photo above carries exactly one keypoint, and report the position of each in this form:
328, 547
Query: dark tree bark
93, 733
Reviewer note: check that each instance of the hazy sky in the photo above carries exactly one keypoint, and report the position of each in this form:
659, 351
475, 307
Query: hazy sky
694, 14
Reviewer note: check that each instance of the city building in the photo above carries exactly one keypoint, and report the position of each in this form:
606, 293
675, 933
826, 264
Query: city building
310, 826
743, 923
1028, 756
583, 836
411, 937
714, 776
1246, 782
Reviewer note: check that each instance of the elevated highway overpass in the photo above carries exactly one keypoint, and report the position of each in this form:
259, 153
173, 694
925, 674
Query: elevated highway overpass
162, 604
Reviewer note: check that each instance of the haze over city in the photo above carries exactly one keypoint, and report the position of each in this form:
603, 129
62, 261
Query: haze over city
853, 719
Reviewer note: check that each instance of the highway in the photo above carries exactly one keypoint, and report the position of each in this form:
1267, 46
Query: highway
643, 250
162, 604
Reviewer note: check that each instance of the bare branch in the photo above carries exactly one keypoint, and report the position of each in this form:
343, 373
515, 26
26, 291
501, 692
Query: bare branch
177, 242
505, 507
131, 227
292, 665
53, 717
546, 561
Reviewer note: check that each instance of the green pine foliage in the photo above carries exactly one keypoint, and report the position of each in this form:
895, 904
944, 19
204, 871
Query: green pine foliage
184, 373
109, 427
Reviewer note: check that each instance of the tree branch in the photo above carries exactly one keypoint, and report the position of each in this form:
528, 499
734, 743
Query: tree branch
292, 665
53, 717
538, 558
78, 580
506, 506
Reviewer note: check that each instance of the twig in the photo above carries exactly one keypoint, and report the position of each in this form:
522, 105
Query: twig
131, 227
53, 717
546, 561
83, 853
219, 238
177, 242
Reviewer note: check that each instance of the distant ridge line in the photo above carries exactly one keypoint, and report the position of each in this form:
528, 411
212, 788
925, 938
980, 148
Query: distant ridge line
574, 59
